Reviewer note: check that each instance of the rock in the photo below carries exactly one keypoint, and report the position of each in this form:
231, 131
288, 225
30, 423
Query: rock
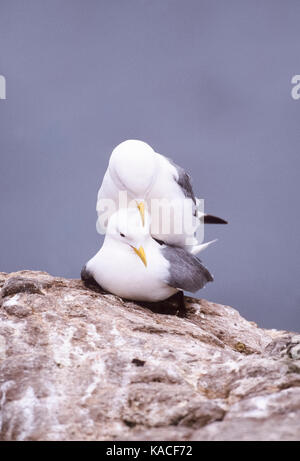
15, 285
78, 364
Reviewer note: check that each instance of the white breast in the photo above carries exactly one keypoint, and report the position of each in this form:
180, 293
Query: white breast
120, 271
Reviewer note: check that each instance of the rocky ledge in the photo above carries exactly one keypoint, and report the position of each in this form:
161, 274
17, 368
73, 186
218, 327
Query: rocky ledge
76, 364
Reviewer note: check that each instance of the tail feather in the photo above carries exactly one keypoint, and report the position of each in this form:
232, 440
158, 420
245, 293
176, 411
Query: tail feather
210, 219
198, 248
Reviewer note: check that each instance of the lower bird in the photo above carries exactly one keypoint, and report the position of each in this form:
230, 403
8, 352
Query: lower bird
134, 266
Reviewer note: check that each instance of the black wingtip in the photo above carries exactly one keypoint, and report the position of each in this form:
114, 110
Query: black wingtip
89, 281
210, 219
87, 278
84, 274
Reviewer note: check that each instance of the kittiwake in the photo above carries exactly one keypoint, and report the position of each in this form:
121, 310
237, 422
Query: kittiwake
132, 265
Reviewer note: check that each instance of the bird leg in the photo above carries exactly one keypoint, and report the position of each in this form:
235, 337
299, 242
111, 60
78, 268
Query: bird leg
181, 307
174, 305
177, 304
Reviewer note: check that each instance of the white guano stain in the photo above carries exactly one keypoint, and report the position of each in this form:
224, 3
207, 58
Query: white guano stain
26, 406
98, 365
16, 327
2, 347
62, 346
121, 394
117, 338
68, 298
13, 301
98, 369
3, 390
260, 406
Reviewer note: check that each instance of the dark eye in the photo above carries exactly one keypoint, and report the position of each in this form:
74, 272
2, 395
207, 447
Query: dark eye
122, 235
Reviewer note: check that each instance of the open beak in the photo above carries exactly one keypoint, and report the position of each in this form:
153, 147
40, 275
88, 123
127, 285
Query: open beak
141, 253
141, 207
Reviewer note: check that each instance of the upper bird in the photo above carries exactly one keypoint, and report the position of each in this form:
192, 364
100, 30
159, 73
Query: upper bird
132, 265
151, 180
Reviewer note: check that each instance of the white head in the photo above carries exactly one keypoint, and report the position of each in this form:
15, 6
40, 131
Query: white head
133, 166
126, 227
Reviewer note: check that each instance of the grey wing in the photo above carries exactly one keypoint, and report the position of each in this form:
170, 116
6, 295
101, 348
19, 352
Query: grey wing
186, 271
184, 181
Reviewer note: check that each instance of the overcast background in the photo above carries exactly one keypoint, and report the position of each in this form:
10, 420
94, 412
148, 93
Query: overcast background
207, 83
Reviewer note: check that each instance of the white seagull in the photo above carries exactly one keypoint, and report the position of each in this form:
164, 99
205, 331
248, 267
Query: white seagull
132, 265
145, 175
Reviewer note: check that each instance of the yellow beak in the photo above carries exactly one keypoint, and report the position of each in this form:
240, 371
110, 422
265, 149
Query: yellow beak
141, 207
141, 253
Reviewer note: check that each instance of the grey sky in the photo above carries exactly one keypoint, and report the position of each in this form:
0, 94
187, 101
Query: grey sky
208, 83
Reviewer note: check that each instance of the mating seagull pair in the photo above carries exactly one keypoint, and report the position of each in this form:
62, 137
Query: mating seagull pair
148, 177
134, 262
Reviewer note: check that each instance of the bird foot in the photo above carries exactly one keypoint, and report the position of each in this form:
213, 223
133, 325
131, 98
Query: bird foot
181, 307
